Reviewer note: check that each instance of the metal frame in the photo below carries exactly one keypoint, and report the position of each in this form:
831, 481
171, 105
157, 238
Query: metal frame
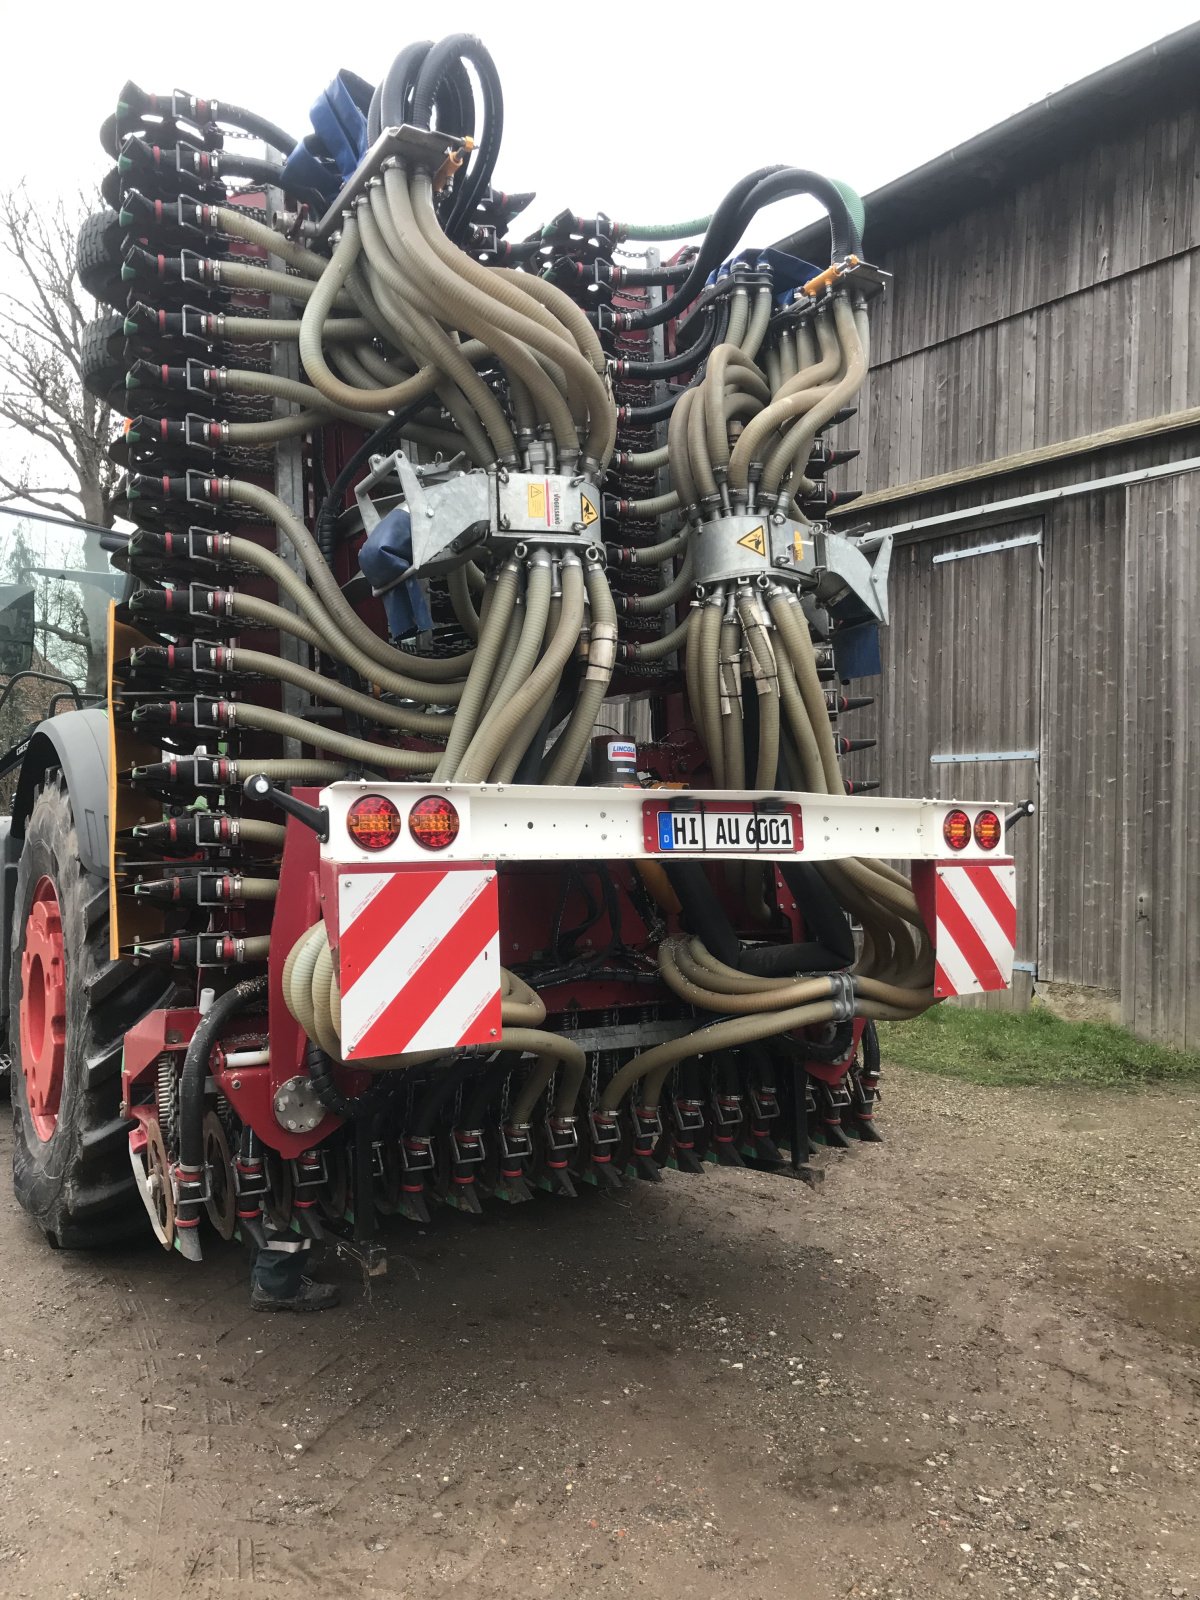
524, 822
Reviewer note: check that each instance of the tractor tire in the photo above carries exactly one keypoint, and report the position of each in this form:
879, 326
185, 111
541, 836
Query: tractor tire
102, 358
71, 1008
98, 258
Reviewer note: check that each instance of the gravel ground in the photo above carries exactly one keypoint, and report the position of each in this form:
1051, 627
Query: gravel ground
966, 1364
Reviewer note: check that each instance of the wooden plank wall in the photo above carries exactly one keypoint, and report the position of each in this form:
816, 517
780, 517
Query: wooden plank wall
1083, 749
1160, 968
1067, 307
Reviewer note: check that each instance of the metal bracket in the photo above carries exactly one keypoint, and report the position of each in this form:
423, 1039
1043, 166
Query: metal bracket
428, 149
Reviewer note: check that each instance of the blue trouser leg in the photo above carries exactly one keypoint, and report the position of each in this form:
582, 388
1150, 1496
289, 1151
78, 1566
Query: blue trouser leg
277, 1268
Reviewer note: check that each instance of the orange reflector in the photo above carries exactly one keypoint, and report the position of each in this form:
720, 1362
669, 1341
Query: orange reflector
988, 831
373, 822
956, 830
433, 822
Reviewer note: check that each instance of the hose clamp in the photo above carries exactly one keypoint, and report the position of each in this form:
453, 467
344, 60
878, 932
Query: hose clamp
416, 1152
466, 1146
561, 1133
192, 323
516, 1140
727, 1110
604, 1127
841, 985
195, 273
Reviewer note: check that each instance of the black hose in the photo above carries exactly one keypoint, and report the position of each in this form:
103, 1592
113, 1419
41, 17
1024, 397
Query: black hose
660, 410
320, 1069
824, 918
258, 127
455, 47
726, 228
389, 103
834, 1049
653, 277
703, 915
730, 222
702, 912
195, 1066
251, 167
683, 360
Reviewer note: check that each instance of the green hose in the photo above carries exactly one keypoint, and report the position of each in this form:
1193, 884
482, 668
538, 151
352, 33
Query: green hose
650, 231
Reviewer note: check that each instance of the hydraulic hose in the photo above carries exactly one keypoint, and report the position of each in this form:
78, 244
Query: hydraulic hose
195, 1065
241, 225
491, 739
312, 325
551, 1052
775, 998
492, 634
651, 1066
383, 758
649, 605
546, 333
332, 639
659, 649
325, 585
572, 747
257, 127
428, 725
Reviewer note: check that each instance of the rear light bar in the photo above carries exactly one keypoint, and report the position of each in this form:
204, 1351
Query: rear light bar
470, 823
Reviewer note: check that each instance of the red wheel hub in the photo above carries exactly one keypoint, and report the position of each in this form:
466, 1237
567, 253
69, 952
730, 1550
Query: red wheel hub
43, 1008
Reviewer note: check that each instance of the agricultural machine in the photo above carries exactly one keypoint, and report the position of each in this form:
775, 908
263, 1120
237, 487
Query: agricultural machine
466, 815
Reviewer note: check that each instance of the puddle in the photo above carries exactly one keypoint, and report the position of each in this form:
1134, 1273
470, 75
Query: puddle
1169, 1308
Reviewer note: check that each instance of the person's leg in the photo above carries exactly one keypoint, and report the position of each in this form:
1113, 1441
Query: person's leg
277, 1280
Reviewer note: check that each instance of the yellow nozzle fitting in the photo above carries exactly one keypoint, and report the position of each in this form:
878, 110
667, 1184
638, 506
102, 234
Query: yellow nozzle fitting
450, 166
827, 279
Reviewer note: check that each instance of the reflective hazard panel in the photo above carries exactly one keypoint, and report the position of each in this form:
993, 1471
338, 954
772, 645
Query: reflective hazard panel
419, 951
970, 909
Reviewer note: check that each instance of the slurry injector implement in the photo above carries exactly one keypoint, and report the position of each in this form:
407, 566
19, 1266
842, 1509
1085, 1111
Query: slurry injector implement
467, 814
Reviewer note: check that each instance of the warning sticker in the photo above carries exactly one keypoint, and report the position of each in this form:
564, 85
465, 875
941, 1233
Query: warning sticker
755, 540
590, 514
797, 546
536, 497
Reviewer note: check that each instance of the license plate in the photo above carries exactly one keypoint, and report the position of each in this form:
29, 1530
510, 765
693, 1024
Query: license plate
710, 828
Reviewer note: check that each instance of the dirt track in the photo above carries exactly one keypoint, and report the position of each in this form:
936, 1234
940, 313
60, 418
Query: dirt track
970, 1364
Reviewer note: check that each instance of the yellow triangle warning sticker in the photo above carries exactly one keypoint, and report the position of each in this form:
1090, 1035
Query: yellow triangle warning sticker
755, 540
589, 510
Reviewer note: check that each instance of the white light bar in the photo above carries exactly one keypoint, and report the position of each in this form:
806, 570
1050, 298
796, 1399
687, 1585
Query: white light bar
528, 822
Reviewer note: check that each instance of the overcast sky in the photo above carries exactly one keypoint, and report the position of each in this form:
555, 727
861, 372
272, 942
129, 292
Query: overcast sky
649, 115
645, 113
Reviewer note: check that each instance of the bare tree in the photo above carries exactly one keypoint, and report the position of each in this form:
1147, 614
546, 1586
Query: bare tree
54, 432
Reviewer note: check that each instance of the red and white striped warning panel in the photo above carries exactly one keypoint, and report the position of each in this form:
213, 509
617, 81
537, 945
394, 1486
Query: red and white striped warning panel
974, 924
420, 960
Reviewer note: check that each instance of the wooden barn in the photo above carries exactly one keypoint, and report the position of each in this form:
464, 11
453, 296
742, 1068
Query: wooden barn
1031, 436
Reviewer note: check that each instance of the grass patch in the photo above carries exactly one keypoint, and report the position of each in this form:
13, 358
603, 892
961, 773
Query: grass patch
1000, 1047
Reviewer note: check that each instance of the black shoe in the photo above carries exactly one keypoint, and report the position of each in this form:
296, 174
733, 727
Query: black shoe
309, 1297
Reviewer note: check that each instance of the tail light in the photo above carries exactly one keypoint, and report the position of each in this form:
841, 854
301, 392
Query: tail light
956, 830
373, 822
433, 822
988, 831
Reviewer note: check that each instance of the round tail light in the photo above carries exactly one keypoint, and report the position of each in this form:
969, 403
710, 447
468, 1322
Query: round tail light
956, 830
433, 822
373, 822
988, 831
